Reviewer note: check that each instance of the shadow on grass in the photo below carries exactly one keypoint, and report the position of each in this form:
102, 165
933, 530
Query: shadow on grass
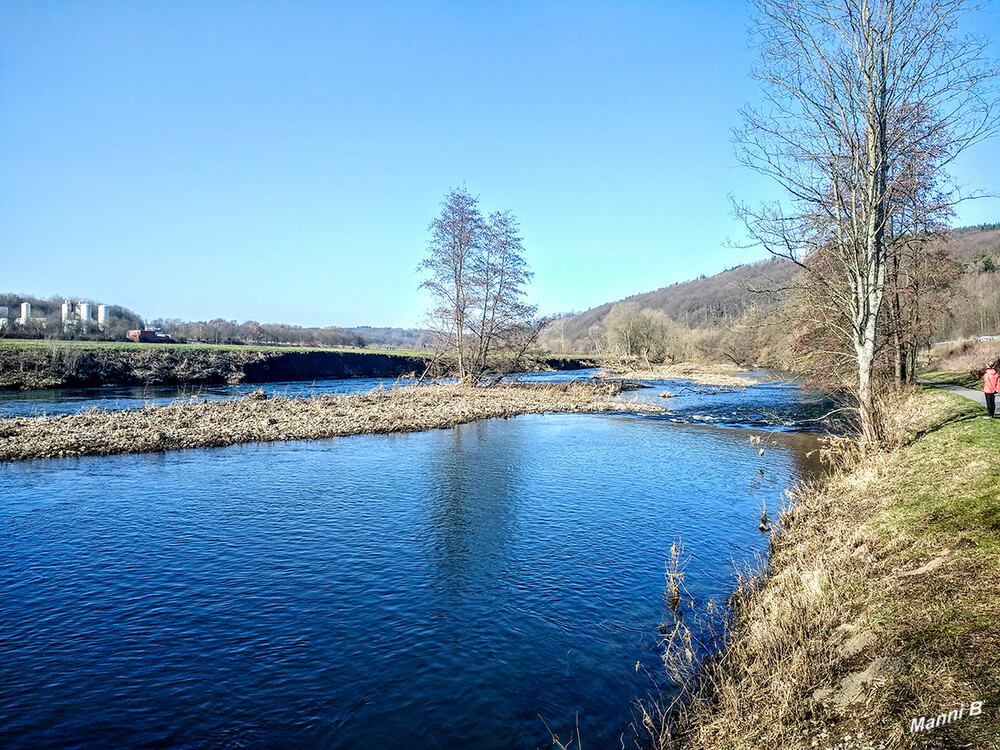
966, 412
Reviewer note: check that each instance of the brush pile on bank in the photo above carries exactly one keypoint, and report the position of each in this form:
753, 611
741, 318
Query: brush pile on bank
718, 374
878, 622
257, 418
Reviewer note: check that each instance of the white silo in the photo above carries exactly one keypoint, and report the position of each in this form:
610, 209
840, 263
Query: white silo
25, 313
102, 314
85, 311
67, 308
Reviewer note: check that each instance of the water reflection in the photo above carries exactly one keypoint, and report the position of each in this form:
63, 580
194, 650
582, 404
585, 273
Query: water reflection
472, 504
442, 588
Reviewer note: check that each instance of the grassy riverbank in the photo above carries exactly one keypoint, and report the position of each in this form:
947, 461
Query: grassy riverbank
880, 606
961, 362
257, 418
46, 345
32, 365
29, 365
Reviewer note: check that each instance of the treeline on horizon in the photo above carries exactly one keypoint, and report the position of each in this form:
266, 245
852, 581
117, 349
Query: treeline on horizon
46, 323
252, 333
748, 315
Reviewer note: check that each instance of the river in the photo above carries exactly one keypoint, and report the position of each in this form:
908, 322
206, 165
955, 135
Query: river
775, 404
450, 588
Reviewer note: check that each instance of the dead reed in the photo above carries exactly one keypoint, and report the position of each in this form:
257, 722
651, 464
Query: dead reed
257, 418
878, 604
717, 374
968, 356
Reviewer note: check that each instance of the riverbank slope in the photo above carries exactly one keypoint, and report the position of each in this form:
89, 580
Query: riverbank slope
878, 624
259, 419
31, 365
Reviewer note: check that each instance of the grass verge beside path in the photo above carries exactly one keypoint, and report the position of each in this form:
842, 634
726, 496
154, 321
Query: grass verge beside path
259, 419
965, 379
882, 604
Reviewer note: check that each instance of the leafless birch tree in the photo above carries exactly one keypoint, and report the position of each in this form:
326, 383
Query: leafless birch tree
835, 76
477, 276
500, 274
455, 240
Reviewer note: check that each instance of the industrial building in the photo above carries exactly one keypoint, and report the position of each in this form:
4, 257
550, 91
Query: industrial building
74, 315
148, 337
82, 314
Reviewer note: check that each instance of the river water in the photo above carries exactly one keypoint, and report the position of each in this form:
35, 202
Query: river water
450, 588
773, 405
55, 401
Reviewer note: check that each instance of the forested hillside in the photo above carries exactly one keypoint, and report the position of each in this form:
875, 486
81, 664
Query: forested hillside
693, 317
748, 313
975, 307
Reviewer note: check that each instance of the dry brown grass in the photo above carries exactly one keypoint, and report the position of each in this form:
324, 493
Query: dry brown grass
864, 620
257, 418
719, 374
968, 356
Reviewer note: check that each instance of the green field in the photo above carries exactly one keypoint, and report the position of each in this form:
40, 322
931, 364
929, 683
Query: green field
46, 344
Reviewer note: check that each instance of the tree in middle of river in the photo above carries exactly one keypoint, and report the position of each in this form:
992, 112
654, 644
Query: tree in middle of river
477, 274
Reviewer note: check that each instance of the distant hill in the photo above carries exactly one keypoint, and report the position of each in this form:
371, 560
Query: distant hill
977, 248
725, 299
707, 301
975, 306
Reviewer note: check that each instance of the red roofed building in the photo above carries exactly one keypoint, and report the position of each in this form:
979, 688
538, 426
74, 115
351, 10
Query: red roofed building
148, 337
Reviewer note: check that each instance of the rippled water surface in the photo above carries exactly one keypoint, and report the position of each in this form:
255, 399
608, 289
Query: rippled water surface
115, 398
773, 405
449, 588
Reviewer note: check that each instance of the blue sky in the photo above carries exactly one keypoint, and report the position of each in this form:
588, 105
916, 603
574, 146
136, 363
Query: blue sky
281, 161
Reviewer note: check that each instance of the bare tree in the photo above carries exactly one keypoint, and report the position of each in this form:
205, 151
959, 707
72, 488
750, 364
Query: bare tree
635, 332
477, 276
835, 76
921, 273
500, 273
456, 239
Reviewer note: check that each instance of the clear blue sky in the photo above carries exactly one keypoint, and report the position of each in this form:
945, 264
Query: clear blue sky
281, 161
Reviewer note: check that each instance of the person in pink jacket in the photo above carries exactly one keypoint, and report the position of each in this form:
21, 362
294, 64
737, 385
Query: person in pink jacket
990, 382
